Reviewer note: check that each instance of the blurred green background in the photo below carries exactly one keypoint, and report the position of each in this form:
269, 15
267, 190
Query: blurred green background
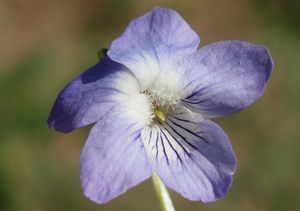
44, 44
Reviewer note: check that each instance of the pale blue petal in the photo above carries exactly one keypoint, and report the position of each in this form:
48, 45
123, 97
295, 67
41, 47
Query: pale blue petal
91, 95
191, 156
225, 77
152, 41
113, 159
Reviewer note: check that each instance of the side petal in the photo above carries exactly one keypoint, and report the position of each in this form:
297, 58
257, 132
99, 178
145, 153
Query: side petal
191, 156
152, 40
92, 94
225, 77
113, 159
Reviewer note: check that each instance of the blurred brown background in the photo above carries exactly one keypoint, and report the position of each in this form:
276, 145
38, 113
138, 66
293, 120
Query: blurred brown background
44, 44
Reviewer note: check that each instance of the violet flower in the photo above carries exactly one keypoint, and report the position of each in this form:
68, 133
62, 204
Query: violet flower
151, 99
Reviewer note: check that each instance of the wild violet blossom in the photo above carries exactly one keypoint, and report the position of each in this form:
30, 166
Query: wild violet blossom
151, 99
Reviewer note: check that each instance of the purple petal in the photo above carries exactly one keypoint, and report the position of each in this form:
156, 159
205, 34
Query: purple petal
191, 156
225, 77
152, 40
89, 96
113, 159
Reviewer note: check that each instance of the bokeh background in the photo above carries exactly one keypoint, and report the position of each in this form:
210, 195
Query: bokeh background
44, 44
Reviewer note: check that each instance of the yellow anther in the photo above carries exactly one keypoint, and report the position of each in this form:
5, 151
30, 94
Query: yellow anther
160, 114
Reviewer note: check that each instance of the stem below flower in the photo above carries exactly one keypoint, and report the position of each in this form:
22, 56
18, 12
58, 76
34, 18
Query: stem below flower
162, 194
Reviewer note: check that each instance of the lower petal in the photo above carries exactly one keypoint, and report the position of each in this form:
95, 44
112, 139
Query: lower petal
191, 156
113, 159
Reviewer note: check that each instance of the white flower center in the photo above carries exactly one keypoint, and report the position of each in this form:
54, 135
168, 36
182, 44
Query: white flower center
158, 99
163, 95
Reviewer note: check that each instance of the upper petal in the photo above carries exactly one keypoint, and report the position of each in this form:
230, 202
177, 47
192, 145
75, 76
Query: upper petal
113, 159
90, 95
191, 155
151, 41
225, 77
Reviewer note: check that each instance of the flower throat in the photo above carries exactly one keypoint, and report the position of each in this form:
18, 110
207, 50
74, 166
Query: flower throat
161, 102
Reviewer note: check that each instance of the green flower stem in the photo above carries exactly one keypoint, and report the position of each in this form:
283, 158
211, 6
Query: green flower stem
162, 194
